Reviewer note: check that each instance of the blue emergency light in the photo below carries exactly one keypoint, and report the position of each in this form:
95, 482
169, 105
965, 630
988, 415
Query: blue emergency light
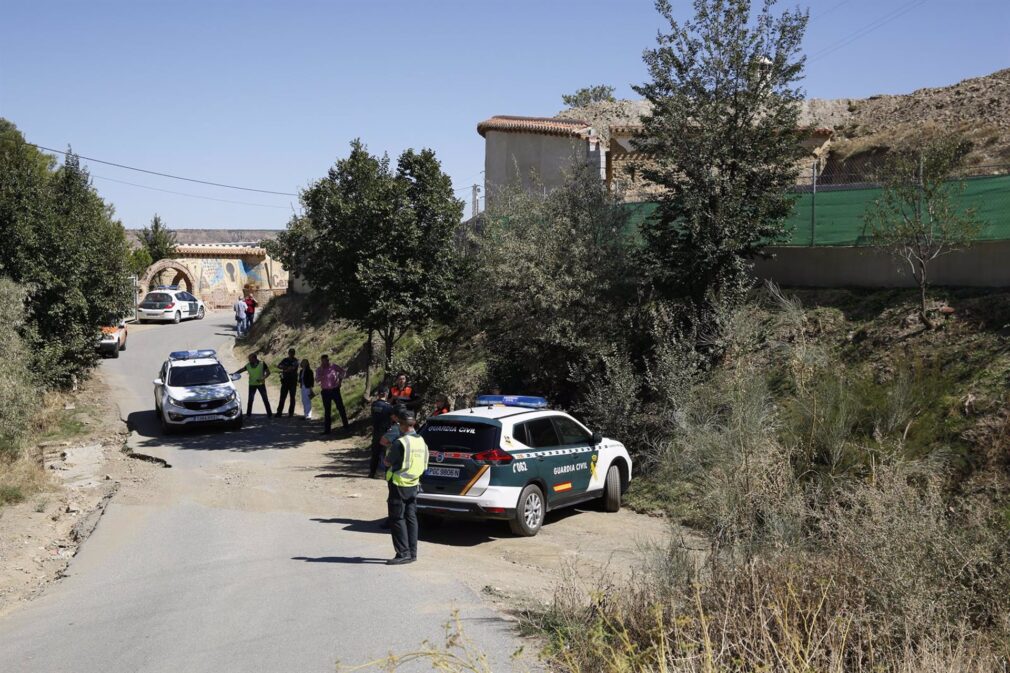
527, 401
167, 287
192, 355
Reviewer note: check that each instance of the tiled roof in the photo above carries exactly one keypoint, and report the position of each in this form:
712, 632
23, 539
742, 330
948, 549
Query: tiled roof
548, 126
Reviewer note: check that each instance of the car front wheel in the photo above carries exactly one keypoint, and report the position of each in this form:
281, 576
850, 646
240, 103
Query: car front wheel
200, 314
612, 490
530, 509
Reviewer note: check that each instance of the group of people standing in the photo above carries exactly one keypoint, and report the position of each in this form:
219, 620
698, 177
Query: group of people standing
245, 312
396, 446
298, 379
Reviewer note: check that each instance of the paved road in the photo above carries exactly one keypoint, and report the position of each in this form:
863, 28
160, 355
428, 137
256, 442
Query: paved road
219, 564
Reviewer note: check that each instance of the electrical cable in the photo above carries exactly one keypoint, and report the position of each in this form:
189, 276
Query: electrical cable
192, 196
164, 175
867, 29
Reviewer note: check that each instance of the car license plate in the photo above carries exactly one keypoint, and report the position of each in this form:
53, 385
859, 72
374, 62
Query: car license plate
204, 418
451, 472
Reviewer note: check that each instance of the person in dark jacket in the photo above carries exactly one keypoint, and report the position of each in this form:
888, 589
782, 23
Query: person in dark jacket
382, 412
289, 382
307, 382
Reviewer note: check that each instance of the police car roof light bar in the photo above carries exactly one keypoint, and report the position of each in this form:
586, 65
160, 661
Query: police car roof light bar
166, 287
192, 355
527, 401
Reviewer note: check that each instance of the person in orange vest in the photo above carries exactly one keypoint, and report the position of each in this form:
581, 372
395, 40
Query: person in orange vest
401, 392
441, 405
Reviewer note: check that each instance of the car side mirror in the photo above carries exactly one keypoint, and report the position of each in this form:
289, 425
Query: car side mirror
122, 324
234, 377
157, 382
597, 438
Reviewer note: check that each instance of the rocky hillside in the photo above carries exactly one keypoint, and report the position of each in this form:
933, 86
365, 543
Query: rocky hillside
977, 107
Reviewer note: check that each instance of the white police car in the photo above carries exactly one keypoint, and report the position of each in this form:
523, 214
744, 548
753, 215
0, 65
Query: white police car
193, 388
511, 458
167, 303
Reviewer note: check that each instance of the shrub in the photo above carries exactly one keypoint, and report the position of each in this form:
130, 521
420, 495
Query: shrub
18, 393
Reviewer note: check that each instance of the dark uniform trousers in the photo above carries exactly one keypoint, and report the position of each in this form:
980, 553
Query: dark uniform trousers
288, 387
378, 452
402, 503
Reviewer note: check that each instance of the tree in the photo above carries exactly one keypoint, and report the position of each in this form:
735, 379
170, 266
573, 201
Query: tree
377, 245
158, 240
722, 140
552, 285
588, 95
140, 260
915, 217
59, 241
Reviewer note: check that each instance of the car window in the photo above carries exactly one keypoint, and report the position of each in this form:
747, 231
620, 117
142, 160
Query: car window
520, 435
198, 375
541, 433
459, 436
158, 297
188, 296
570, 432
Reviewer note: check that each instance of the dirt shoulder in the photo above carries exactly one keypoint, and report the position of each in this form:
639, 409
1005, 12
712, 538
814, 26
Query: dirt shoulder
39, 536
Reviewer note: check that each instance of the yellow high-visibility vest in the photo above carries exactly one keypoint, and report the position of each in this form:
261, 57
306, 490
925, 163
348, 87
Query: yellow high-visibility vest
415, 461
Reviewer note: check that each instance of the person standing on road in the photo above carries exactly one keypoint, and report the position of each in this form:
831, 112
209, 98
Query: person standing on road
289, 382
382, 412
407, 460
258, 372
250, 310
329, 378
308, 382
402, 392
240, 308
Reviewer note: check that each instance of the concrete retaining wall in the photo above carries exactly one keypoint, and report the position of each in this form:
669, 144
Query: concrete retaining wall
985, 264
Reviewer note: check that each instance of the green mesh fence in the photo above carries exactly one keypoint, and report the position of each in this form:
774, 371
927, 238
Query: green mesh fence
835, 216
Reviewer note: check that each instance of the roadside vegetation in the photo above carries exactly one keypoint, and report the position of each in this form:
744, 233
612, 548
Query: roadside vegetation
837, 458
64, 269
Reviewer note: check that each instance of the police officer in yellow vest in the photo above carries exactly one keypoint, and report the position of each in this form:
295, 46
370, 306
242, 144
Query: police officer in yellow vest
258, 372
406, 460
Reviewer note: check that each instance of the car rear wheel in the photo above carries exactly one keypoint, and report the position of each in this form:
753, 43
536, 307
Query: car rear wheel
612, 490
529, 516
177, 317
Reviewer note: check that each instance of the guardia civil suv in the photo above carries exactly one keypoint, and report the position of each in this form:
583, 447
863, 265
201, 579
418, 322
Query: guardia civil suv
512, 458
194, 389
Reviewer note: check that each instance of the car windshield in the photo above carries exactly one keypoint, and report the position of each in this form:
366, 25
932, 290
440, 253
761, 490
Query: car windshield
157, 298
454, 435
198, 375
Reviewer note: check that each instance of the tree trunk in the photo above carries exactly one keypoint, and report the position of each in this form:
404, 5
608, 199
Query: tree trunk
922, 297
387, 338
368, 364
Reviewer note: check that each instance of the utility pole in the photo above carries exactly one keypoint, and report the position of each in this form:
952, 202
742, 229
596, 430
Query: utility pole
476, 191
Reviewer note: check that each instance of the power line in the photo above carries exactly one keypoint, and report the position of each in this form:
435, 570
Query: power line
829, 10
867, 29
192, 196
164, 175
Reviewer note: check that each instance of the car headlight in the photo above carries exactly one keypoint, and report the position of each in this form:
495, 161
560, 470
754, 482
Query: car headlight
233, 396
172, 400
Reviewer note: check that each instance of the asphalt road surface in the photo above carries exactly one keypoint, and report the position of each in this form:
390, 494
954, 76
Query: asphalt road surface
222, 563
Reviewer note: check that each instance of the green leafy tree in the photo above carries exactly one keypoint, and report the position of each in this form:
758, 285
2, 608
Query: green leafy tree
158, 240
140, 259
377, 245
600, 93
722, 140
552, 285
916, 217
60, 241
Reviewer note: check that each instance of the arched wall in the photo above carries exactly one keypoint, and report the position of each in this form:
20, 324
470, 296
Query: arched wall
162, 265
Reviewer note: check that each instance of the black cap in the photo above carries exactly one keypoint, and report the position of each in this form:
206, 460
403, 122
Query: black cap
405, 414
399, 410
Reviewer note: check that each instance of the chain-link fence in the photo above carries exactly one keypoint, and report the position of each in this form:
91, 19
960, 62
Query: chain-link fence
832, 199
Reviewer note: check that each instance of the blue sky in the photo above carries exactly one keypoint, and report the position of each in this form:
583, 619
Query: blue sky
269, 94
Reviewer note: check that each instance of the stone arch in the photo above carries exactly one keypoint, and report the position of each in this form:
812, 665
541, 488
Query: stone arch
181, 274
